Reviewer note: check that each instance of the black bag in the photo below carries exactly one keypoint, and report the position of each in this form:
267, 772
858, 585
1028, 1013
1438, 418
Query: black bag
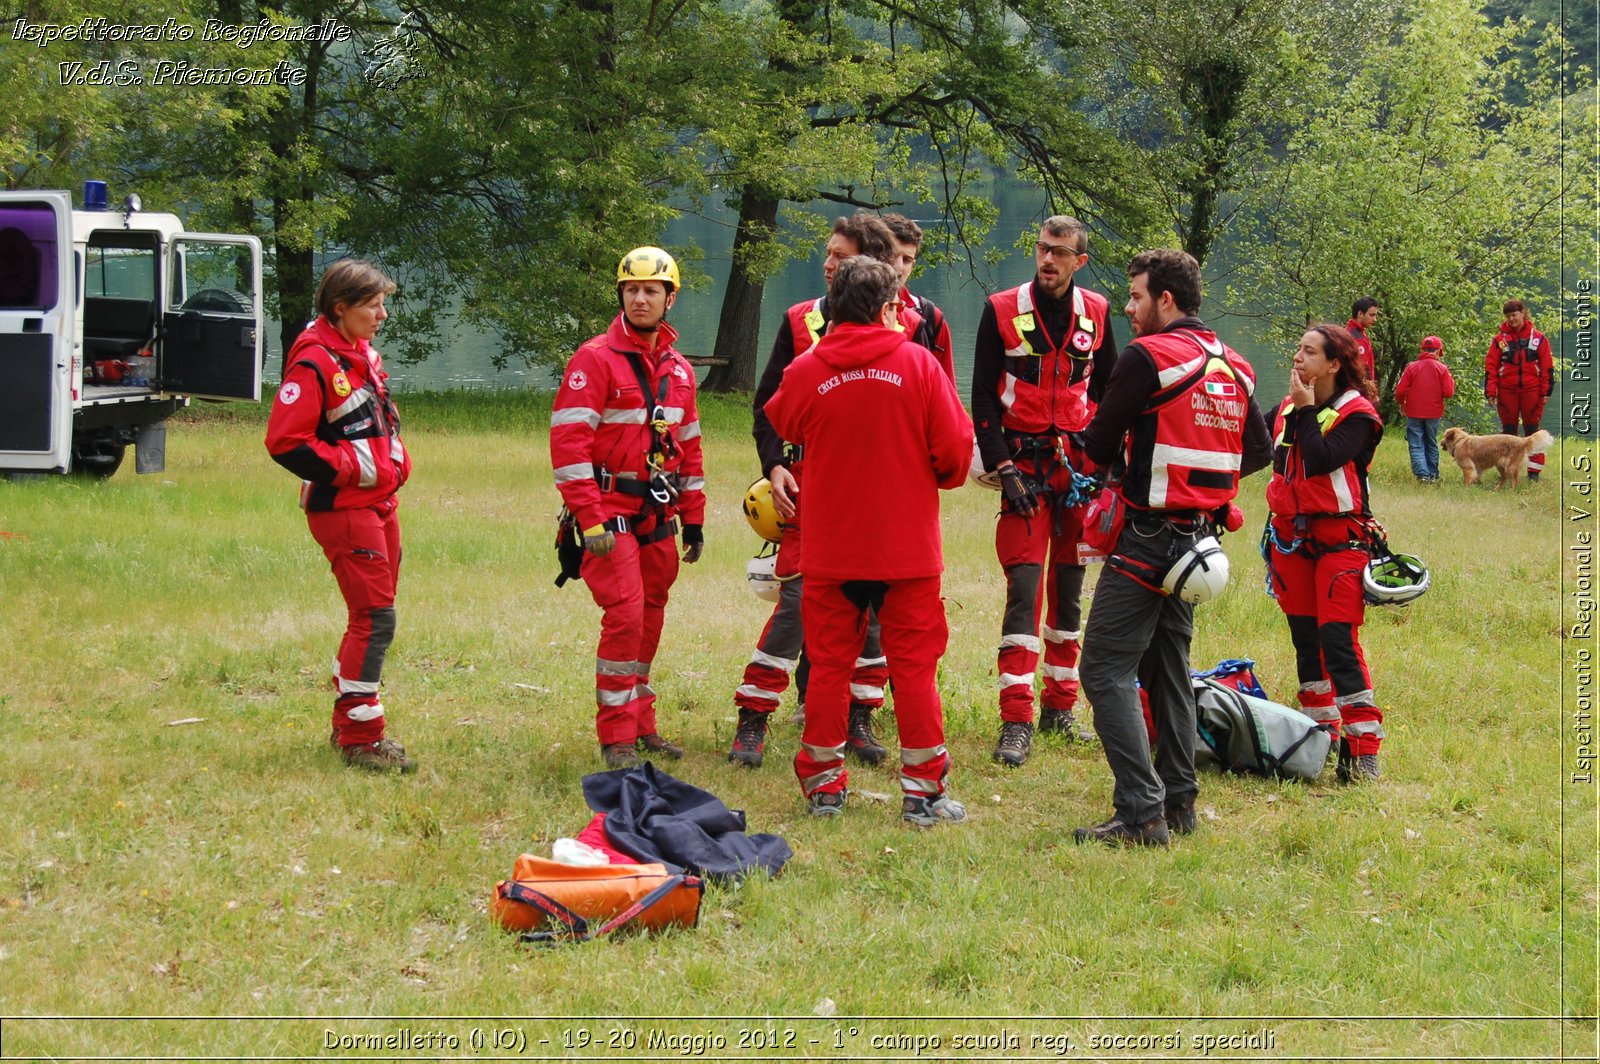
1242, 733
569, 547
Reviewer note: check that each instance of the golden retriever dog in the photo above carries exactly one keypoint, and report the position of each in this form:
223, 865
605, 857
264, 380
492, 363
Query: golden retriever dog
1477, 455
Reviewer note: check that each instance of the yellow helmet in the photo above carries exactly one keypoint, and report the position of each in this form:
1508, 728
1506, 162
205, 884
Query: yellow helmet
649, 264
762, 512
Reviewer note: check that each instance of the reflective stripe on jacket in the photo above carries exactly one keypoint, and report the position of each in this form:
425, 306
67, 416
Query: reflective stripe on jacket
1291, 492
600, 423
1045, 381
334, 425
1184, 452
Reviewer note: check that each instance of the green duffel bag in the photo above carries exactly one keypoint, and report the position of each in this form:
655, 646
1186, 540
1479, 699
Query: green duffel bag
1242, 733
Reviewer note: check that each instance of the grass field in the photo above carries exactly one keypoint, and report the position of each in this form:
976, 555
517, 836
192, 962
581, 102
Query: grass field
232, 867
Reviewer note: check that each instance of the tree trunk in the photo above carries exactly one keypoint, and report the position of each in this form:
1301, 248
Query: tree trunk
739, 326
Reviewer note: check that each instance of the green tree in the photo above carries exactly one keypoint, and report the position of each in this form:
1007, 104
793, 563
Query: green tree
1419, 180
879, 103
1206, 91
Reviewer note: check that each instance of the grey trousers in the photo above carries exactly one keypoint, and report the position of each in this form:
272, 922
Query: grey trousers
1136, 632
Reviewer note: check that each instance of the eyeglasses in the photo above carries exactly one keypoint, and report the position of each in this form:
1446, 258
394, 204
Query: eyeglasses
895, 303
1059, 252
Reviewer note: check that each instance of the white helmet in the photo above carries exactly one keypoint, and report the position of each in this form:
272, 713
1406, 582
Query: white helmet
1200, 575
761, 575
978, 475
1394, 579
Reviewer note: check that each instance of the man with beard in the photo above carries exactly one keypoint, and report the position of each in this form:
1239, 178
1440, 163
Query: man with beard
1180, 410
1044, 354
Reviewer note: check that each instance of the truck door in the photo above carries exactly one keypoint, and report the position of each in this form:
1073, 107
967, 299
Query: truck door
38, 330
212, 326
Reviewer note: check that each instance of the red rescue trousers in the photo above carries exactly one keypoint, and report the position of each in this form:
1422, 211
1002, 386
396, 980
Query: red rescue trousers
363, 547
630, 585
1040, 551
1526, 405
777, 652
1318, 587
914, 636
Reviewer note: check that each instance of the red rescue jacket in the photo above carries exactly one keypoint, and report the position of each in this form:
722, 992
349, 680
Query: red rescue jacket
1184, 452
334, 426
1364, 345
601, 433
1518, 360
883, 430
1292, 493
1424, 386
1045, 382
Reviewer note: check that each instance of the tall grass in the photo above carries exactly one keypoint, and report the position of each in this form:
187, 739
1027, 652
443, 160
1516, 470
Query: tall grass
232, 866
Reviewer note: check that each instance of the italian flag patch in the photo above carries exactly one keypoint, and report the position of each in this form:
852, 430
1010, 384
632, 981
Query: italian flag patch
1226, 389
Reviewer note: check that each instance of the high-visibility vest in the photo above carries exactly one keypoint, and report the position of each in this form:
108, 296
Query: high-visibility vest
1184, 450
1044, 381
1292, 493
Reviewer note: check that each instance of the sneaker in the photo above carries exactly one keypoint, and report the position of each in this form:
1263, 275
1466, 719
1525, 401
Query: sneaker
1062, 722
1016, 739
926, 812
859, 739
749, 739
619, 755
381, 756
826, 803
655, 744
1116, 832
1180, 817
799, 718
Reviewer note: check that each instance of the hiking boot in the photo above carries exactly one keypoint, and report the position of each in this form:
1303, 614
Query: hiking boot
381, 756
859, 739
749, 739
927, 812
655, 744
799, 718
1180, 816
1367, 767
1062, 722
1116, 832
826, 803
619, 755
1016, 739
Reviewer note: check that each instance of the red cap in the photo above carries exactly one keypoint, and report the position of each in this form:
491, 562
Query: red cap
1432, 343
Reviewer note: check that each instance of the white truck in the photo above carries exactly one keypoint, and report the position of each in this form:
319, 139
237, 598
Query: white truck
112, 320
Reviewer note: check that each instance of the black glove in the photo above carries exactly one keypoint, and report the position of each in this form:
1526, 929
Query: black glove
694, 541
1019, 499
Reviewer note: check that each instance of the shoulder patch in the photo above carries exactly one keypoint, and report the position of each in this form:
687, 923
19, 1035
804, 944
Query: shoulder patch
577, 380
341, 384
288, 393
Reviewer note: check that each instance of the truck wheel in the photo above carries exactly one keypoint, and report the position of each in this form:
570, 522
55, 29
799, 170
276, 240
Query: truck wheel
97, 458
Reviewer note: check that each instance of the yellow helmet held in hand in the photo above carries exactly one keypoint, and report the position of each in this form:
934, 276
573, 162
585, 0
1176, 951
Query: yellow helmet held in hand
762, 512
649, 264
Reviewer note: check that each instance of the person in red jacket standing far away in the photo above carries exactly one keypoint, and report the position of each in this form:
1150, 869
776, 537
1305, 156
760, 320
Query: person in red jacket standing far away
865, 389
1423, 388
1519, 375
625, 446
334, 426
1363, 316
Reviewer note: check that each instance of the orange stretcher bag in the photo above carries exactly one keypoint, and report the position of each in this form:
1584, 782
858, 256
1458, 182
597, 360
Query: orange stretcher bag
548, 901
